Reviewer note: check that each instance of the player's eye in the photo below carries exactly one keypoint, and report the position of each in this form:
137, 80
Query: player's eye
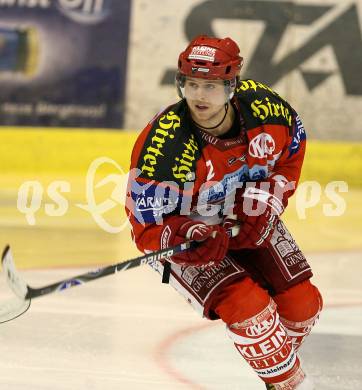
192, 85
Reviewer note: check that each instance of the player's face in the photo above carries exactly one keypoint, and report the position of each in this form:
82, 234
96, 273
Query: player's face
206, 99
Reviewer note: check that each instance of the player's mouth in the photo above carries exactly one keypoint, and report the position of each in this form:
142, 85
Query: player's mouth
201, 107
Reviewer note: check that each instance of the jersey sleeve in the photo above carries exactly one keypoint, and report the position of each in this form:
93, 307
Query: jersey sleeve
289, 165
155, 190
275, 132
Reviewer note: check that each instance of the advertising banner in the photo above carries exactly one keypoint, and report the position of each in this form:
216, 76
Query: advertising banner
309, 51
63, 62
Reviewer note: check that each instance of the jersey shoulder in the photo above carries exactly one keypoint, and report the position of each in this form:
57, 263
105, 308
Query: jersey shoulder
167, 149
260, 104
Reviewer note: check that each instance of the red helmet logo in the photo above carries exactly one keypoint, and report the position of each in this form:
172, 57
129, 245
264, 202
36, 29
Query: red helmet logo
211, 58
202, 53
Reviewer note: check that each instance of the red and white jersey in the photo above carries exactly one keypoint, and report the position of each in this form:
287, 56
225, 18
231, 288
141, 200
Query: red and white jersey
179, 169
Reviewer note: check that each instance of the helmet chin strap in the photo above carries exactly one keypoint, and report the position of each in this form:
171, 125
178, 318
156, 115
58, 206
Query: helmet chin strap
226, 107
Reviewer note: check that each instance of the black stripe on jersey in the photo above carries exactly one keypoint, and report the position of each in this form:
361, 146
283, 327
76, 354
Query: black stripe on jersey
171, 150
259, 104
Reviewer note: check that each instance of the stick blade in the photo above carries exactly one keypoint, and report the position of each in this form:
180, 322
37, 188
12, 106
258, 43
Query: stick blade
13, 308
11, 274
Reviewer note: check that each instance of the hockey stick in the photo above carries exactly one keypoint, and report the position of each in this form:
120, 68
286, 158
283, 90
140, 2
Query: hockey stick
24, 293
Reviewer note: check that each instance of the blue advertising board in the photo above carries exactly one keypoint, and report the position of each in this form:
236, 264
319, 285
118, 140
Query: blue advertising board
63, 62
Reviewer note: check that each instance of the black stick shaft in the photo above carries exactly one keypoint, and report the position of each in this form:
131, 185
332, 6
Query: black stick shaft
108, 270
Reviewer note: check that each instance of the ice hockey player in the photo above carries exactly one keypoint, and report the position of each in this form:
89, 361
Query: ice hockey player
224, 158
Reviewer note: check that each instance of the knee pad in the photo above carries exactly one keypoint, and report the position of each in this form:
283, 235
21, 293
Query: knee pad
300, 302
240, 300
299, 309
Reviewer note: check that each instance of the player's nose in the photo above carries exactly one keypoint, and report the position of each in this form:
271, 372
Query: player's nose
200, 94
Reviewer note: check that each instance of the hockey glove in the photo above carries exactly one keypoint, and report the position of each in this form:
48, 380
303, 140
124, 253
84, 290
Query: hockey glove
257, 208
213, 241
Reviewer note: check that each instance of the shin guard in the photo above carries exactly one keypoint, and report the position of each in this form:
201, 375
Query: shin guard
264, 343
298, 331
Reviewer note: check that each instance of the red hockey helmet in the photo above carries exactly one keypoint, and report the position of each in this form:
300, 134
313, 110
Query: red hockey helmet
210, 58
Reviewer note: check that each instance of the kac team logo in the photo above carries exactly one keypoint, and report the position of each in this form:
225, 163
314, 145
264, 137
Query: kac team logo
85, 11
262, 145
